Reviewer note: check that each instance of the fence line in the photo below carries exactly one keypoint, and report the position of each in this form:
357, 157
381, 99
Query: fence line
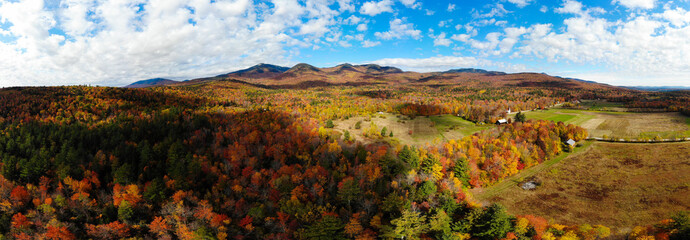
622, 140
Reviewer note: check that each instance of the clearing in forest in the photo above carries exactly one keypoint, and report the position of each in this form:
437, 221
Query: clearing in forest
618, 185
620, 124
417, 131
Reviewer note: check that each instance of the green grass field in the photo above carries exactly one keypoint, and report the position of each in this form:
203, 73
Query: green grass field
449, 123
600, 105
418, 131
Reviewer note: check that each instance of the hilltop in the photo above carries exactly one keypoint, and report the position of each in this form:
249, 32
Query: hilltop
154, 82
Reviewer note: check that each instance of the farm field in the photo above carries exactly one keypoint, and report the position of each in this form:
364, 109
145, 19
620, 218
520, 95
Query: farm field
602, 105
614, 184
417, 131
620, 124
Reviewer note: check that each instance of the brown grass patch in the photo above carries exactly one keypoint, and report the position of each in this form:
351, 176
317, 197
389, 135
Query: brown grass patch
614, 184
418, 131
422, 128
634, 124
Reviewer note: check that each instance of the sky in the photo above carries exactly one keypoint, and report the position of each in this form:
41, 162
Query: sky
117, 42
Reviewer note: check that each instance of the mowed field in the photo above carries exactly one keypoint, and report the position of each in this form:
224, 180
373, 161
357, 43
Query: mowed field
618, 185
417, 131
620, 124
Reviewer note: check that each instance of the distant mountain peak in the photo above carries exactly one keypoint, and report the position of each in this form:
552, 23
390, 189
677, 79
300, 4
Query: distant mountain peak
378, 69
151, 83
345, 65
303, 67
474, 70
258, 71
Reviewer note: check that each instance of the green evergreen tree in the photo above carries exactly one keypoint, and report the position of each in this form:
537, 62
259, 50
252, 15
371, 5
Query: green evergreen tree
428, 163
329, 227
425, 190
409, 156
349, 191
520, 117
408, 226
440, 224
461, 171
123, 174
493, 224
346, 135
329, 124
155, 192
125, 211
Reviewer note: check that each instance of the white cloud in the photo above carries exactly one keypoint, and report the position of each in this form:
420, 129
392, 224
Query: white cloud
29, 22
645, 4
496, 11
317, 27
434, 63
411, 4
115, 42
74, 14
644, 46
544, 8
346, 5
488, 46
520, 3
429, 12
368, 44
441, 40
575, 7
451, 7
374, 8
571, 6
353, 20
461, 37
399, 30
362, 27
677, 17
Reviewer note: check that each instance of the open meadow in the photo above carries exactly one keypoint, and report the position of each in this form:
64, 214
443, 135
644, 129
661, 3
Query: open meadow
614, 184
620, 124
416, 131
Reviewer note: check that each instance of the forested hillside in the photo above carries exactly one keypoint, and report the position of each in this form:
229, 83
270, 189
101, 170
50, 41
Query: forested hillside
228, 160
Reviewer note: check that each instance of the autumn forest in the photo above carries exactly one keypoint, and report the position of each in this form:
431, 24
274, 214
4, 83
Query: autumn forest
262, 155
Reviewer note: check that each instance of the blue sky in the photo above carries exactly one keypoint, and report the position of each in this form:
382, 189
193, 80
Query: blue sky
116, 42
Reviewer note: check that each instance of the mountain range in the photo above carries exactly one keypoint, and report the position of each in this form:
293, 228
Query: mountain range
305, 76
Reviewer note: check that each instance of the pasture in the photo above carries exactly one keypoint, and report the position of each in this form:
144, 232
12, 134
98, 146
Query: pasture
417, 131
614, 184
619, 124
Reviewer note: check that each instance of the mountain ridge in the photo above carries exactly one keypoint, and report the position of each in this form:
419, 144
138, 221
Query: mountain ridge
153, 82
304, 75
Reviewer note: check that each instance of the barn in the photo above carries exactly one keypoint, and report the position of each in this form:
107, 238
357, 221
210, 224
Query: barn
570, 142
